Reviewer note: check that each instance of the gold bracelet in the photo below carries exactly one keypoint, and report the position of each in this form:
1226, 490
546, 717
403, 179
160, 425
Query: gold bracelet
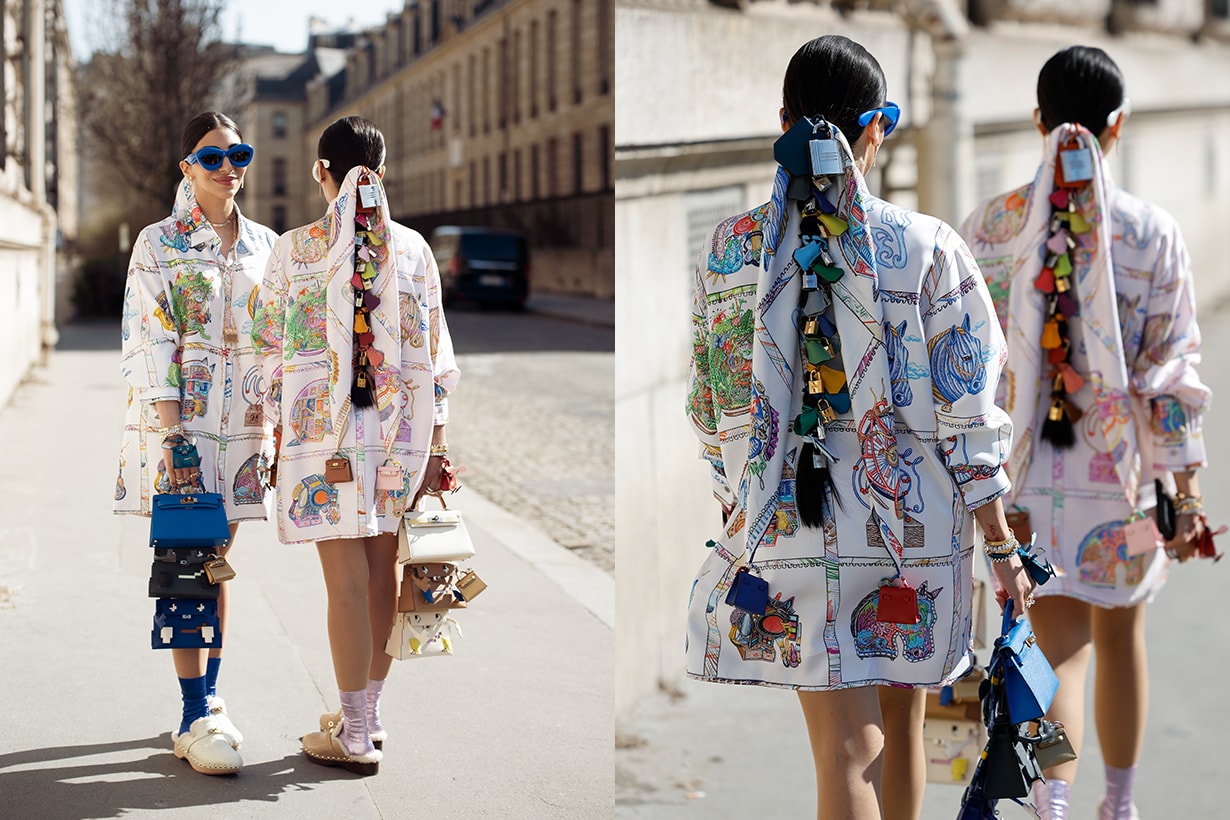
439, 450
989, 543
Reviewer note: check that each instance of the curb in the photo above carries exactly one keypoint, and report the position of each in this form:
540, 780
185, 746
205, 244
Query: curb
586, 584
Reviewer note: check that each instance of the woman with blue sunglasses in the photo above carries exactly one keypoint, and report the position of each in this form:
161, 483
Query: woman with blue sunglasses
195, 381
845, 359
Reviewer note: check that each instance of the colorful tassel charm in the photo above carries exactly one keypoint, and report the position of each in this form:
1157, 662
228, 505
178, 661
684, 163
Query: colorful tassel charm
1057, 429
1050, 334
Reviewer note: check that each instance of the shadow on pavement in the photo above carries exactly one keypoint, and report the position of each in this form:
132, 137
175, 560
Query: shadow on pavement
157, 781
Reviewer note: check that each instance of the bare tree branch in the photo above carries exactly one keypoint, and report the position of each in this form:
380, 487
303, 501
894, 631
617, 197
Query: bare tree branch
159, 69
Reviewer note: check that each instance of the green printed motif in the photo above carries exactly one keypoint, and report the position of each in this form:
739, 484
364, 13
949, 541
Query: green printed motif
190, 300
305, 322
730, 359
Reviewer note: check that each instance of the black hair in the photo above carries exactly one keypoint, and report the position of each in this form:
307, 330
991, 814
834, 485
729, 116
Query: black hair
349, 142
202, 124
1080, 84
835, 78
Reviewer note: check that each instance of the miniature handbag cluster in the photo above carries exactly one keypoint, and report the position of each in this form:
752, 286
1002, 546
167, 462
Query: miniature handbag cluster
187, 573
431, 549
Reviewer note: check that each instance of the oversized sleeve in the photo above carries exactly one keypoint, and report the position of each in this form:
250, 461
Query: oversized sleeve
967, 354
268, 328
445, 374
702, 410
150, 350
1164, 373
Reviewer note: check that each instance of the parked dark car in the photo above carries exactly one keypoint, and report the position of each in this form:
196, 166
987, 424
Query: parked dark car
482, 265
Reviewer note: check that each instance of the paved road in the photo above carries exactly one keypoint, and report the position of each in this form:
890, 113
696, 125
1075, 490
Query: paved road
534, 422
715, 752
516, 725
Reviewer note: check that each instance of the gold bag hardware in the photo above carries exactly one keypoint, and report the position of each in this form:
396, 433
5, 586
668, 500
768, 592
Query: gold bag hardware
1056, 411
811, 326
218, 570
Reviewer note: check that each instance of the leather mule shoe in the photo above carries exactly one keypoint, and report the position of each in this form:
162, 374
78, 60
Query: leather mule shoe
217, 710
206, 748
331, 719
327, 749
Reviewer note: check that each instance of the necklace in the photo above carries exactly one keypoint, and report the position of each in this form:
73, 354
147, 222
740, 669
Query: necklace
224, 222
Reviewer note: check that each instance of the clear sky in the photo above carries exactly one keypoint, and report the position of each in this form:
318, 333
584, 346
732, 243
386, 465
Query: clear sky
280, 23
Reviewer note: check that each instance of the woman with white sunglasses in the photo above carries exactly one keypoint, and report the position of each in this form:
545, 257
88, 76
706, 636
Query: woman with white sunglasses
1095, 288
195, 380
359, 365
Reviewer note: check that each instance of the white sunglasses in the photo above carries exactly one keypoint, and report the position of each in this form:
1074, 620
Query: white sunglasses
1125, 109
316, 170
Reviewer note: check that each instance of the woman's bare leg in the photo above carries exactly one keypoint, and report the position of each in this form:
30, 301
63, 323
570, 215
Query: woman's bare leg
344, 562
1064, 629
905, 759
847, 743
382, 591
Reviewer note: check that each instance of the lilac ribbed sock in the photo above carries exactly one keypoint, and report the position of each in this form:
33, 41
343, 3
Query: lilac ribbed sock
1051, 799
374, 688
1118, 802
354, 722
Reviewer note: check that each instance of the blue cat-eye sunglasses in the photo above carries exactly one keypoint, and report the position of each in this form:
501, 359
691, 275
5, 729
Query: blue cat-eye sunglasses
210, 158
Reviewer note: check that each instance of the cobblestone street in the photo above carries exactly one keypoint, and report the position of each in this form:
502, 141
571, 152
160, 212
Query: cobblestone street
533, 423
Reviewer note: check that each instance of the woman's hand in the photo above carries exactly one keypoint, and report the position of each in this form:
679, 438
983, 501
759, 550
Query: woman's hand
1186, 533
431, 479
180, 477
1013, 583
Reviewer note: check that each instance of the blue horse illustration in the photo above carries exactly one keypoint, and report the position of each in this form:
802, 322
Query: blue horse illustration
898, 363
957, 367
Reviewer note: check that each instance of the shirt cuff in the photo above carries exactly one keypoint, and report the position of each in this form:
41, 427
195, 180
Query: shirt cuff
984, 490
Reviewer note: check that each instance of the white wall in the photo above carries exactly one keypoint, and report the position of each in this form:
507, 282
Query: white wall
23, 261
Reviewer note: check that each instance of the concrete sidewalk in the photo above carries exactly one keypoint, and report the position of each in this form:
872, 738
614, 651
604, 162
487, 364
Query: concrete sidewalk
585, 309
516, 725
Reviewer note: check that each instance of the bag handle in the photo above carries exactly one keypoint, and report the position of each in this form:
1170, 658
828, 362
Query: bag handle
1008, 620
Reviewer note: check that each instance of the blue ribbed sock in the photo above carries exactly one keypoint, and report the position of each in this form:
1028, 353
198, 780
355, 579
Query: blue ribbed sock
211, 676
193, 691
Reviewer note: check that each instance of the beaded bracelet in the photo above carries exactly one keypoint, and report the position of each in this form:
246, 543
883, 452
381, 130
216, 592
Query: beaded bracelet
1189, 505
167, 432
1000, 557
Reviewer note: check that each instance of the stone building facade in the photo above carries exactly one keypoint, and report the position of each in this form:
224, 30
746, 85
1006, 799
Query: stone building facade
699, 87
497, 112
38, 182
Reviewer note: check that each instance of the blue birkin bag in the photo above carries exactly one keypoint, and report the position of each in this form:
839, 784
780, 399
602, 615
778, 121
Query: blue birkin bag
1029, 682
181, 624
188, 520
